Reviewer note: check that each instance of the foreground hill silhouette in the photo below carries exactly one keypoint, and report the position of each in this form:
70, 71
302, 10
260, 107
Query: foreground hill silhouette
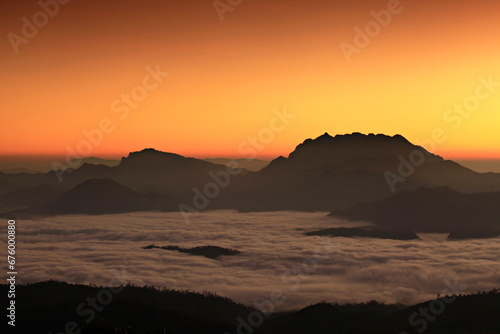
48, 306
438, 209
471, 314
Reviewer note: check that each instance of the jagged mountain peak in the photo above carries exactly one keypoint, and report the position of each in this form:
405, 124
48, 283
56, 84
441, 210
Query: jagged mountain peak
326, 149
151, 152
354, 138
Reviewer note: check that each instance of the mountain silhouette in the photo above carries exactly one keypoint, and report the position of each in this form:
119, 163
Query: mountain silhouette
133, 310
472, 314
94, 161
148, 170
30, 196
253, 165
327, 150
322, 174
473, 233
337, 172
349, 232
151, 170
149, 310
101, 196
440, 209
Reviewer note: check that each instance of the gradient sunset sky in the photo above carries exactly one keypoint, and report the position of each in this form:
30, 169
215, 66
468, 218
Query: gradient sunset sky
226, 77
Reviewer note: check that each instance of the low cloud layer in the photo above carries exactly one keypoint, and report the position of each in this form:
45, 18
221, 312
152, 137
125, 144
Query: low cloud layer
275, 255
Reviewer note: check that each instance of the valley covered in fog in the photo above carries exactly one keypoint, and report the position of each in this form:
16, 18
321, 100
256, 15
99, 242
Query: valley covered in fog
275, 256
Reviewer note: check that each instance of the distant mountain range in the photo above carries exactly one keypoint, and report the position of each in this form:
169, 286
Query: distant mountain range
44, 165
143, 171
94, 161
342, 174
97, 196
482, 166
253, 165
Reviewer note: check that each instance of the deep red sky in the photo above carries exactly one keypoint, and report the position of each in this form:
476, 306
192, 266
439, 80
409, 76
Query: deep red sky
226, 78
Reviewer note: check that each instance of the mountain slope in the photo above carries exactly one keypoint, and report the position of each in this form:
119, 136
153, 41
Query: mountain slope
337, 172
147, 310
30, 196
471, 314
319, 175
100, 196
430, 210
148, 170
130, 310
253, 165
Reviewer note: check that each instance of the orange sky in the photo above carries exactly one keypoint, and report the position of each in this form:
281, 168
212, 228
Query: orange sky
226, 78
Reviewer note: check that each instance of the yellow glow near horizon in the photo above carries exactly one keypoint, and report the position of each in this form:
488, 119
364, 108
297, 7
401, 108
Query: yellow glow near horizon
226, 78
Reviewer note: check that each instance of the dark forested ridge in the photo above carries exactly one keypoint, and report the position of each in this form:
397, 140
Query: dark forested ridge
48, 307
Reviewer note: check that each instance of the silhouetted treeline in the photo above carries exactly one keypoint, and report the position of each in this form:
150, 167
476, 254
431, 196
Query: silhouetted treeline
464, 314
48, 307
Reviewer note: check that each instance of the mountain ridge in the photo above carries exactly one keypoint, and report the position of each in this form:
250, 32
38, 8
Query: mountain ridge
321, 174
439, 209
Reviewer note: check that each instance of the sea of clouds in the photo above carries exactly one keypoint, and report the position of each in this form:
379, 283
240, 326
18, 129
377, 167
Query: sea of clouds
275, 254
